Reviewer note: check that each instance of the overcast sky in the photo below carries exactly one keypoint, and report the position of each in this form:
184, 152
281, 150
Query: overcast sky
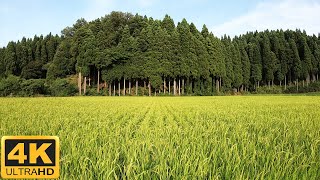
20, 18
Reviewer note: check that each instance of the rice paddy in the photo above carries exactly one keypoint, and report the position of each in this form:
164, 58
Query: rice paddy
257, 137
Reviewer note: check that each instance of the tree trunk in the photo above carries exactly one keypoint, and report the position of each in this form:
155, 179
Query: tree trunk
272, 83
174, 86
302, 83
89, 82
313, 78
191, 85
98, 84
114, 89
136, 87
155, 92
169, 87
269, 84
85, 86
217, 84
110, 93
124, 86
79, 83
144, 85
317, 77
220, 83
297, 82
182, 86
258, 84
149, 85
119, 88
164, 86
241, 89
285, 82
179, 87
129, 87
280, 83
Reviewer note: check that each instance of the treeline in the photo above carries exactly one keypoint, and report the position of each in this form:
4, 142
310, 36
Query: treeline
125, 54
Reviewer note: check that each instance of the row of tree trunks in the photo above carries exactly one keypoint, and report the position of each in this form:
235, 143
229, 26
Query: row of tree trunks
178, 91
310, 78
178, 87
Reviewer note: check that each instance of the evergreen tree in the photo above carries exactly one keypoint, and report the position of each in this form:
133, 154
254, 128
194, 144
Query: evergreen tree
237, 66
296, 62
10, 59
2, 63
306, 60
62, 64
245, 65
269, 60
168, 24
256, 64
229, 63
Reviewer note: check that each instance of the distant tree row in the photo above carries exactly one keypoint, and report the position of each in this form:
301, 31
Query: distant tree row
124, 54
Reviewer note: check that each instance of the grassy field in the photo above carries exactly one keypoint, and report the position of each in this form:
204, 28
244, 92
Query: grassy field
255, 137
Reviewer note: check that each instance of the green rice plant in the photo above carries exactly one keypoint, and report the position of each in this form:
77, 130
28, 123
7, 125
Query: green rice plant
247, 137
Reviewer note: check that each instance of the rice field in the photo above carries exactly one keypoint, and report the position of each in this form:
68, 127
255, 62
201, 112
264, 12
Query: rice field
257, 137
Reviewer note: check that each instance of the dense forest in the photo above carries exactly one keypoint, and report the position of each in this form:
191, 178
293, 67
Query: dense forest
125, 54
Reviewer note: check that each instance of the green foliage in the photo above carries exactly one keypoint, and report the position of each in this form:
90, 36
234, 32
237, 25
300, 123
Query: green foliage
62, 64
10, 86
61, 87
237, 66
10, 59
2, 63
296, 62
255, 62
312, 87
33, 87
267, 90
33, 70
